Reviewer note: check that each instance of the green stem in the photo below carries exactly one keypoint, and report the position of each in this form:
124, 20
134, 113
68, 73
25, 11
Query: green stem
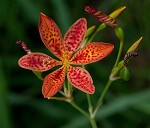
119, 34
69, 89
100, 100
62, 93
92, 120
116, 68
119, 53
89, 100
101, 27
58, 98
79, 109
90, 104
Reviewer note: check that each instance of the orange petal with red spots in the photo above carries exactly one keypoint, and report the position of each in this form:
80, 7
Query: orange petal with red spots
53, 82
75, 36
92, 52
37, 62
80, 79
51, 35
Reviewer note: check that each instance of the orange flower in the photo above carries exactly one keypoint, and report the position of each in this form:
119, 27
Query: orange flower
64, 49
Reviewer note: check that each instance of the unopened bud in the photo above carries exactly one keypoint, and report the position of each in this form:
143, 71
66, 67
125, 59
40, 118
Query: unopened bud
102, 17
119, 33
125, 74
117, 12
90, 31
102, 26
135, 46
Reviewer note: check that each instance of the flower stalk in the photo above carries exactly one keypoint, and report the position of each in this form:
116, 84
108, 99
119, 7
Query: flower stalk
120, 35
91, 119
100, 100
101, 27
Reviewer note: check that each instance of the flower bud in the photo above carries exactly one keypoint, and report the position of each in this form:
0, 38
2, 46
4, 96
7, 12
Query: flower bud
117, 12
102, 17
119, 33
90, 31
101, 27
135, 46
125, 74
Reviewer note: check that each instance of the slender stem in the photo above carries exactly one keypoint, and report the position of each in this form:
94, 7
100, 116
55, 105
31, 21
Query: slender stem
79, 109
101, 27
92, 120
93, 123
85, 42
90, 104
119, 53
62, 93
100, 100
69, 92
58, 98
91, 38
120, 34
89, 100
65, 89
69, 86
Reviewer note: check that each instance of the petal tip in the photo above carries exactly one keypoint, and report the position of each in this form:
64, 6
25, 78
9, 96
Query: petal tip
53, 82
112, 46
42, 14
84, 20
92, 90
42, 17
45, 96
81, 79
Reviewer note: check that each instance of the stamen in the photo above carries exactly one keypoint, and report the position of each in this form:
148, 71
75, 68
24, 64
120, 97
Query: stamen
24, 46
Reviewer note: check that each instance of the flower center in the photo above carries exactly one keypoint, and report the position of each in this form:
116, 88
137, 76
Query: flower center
65, 62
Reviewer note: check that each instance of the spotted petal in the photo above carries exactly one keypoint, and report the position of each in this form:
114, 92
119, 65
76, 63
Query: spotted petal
75, 36
81, 79
53, 82
92, 52
51, 35
37, 62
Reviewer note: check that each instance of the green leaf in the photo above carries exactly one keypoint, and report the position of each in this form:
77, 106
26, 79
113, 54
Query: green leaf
143, 107
122, 103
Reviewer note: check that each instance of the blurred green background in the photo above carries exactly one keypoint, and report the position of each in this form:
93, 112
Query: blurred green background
127, 104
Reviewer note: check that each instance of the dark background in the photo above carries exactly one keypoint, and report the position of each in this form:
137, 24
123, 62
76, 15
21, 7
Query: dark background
126, 105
